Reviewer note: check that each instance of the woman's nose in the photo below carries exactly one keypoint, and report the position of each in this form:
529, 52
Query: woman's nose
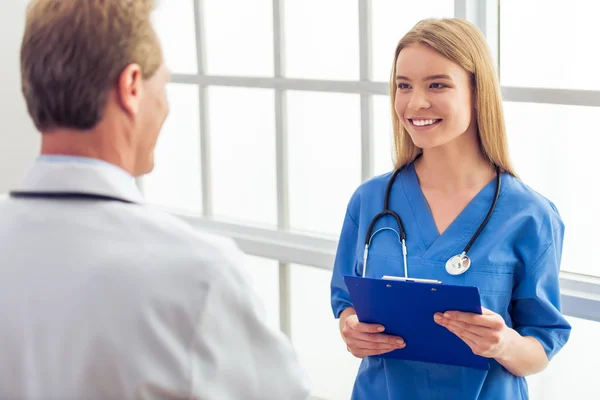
418, 100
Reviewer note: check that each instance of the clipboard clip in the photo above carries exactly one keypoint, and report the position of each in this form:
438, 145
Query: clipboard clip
399, 278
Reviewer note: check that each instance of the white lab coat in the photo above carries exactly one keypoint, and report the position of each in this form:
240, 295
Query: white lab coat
108, 300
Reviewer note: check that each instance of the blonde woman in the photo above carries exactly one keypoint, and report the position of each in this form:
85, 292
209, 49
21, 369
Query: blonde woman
466, 219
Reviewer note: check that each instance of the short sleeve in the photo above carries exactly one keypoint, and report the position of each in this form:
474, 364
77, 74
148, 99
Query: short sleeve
345, 262
536, 308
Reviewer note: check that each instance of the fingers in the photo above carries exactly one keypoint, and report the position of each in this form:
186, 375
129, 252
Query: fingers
479, 331
363, 340
463, 333
472, 345
361, 353
378, 338
361, 348
482, 340
365, 332
368, 345
488, 319
356, 325
490, 331
482, 347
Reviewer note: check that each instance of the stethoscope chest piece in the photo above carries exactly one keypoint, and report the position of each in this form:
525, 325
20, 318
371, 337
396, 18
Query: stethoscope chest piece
459, 264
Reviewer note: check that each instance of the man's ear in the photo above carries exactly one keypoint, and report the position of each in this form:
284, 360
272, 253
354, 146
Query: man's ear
129, 88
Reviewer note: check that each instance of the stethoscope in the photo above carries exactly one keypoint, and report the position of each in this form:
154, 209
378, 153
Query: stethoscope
456, 265
67, 196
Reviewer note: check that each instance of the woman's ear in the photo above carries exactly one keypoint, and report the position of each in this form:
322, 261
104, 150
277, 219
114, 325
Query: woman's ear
474, 97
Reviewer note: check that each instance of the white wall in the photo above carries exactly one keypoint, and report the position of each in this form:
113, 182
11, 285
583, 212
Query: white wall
19, 141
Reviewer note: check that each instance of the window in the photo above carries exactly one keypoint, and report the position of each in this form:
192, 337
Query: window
315, 333
548, 146
239, 37
242, 146
549, 57
175, 181
383, 141
319, 125
180, 58
548, 105
281, 108
312, 48
264, 276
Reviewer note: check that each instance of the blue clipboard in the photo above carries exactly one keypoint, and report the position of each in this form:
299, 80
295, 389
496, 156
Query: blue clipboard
406, 309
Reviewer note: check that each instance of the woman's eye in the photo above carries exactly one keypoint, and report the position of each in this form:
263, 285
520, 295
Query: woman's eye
437, 86
403, 86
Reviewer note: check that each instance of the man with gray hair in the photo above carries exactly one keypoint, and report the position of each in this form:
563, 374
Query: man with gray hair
101, 296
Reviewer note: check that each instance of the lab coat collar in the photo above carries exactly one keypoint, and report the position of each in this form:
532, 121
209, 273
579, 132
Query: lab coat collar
65, 175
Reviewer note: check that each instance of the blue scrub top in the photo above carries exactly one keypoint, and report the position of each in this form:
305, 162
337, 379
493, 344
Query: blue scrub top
515, 265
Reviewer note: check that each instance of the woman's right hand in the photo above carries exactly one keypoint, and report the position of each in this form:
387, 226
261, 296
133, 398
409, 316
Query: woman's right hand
363, 340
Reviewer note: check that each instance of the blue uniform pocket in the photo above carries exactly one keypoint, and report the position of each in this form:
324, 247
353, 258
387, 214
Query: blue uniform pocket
495, 284
491, 279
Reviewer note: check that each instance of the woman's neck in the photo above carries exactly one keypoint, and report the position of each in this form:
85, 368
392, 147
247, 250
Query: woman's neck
454, 167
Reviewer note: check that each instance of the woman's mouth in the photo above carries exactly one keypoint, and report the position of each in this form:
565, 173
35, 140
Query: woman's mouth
423, 124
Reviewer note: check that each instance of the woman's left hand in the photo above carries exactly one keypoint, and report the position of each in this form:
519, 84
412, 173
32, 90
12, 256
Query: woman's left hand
487, 334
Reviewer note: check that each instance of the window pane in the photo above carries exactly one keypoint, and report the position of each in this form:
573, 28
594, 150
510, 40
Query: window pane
383, 142
174, 23
573, 373
239, 37
550, 146
242, 143
176, 181
321, 39
391, 20
324, 158
556, 51
316, 335
264, 275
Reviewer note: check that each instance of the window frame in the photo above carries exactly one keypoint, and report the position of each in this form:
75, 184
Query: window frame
580, 293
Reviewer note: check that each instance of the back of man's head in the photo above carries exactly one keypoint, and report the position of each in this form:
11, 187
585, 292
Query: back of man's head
73, 51
93, 75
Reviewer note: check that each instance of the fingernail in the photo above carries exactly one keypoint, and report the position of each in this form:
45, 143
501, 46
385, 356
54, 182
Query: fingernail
400, 342
437, 316
380, 328
447, 315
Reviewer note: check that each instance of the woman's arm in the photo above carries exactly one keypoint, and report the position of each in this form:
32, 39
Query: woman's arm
523, 356
488, 336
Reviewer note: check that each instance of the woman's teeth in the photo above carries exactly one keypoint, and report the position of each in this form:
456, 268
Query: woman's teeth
424, 122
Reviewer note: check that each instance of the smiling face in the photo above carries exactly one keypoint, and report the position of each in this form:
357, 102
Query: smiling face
433, 98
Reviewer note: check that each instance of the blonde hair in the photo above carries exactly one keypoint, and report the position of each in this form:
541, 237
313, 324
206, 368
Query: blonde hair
462, 43
73, 52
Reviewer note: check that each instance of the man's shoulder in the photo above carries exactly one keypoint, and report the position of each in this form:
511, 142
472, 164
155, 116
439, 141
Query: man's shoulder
179, 240
145, 238
193, 260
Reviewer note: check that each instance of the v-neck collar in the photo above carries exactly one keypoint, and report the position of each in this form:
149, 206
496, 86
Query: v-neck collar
456, 236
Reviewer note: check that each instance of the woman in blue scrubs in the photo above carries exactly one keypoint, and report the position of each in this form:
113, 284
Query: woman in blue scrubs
450, 143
